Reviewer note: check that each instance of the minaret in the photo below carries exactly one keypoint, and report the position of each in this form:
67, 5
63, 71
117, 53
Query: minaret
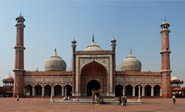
165, 60
19, 57
74, 66
113, 44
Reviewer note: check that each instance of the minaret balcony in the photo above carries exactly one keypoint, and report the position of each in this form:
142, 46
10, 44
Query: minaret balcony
20, 25
165, 30
166, 71
20, 48
165, 51
18, 70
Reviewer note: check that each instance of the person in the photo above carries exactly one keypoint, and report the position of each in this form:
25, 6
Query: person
95, 97
102, 101
119, 99
122, 100
65, 98
17, 97
174, 100
125, 103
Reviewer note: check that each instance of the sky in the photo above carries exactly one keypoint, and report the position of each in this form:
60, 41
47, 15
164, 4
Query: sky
53, 24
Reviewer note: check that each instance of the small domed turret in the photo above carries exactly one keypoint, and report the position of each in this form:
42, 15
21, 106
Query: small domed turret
174, 78
93, 46
55, 63
20, 19
8, 77
165, 25
73, 41
131, 63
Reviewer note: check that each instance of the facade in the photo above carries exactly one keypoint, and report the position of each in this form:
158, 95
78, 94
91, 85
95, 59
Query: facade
92, 68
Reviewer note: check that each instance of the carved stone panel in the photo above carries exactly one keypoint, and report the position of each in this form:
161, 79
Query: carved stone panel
48, 79
57, 79
67, 79
119, 79
38, 79
148, 80
28, 79
129, 79
157, 80
139, 80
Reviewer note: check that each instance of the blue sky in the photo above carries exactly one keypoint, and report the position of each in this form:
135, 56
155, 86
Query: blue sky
53, 24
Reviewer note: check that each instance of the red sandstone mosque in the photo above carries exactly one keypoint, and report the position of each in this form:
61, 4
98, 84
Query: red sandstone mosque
92, 68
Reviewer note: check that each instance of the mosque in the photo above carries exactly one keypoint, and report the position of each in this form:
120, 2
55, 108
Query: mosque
92, 68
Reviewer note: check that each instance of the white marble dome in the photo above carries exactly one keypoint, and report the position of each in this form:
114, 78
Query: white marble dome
174, 78
55, 63
93, 46
9, 77
131, 63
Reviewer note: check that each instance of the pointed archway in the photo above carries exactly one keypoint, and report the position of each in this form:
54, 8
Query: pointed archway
148, 90
38, 90
69, 90
128, 91
137, 90
28, 90
119, 90
93, 71
58, 90
47, 90
92, 85
157, 90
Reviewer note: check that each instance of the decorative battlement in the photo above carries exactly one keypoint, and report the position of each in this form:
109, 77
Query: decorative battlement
52, 73
136, 73
95, 52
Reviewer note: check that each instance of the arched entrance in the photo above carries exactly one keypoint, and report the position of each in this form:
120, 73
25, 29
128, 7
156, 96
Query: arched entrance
28, 90
47, 90
58, 90
92, 85
128, 91
148, 90
157, 90
69, 90
93, 76
118, 90
137, 90
38, 90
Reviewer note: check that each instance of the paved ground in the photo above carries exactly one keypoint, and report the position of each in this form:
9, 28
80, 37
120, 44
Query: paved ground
43, 105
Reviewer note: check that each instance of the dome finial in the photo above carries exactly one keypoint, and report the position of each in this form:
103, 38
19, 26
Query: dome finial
130, 51
148, 70
37, 69
55, 52
164, 19
93, 37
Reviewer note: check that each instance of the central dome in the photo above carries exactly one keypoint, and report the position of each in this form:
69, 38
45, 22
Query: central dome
55, 63
93, 46
131, 63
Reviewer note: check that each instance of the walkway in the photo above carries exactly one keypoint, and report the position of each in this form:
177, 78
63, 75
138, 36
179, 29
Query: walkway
43, 105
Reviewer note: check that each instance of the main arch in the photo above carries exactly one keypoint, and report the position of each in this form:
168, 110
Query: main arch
93, 76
